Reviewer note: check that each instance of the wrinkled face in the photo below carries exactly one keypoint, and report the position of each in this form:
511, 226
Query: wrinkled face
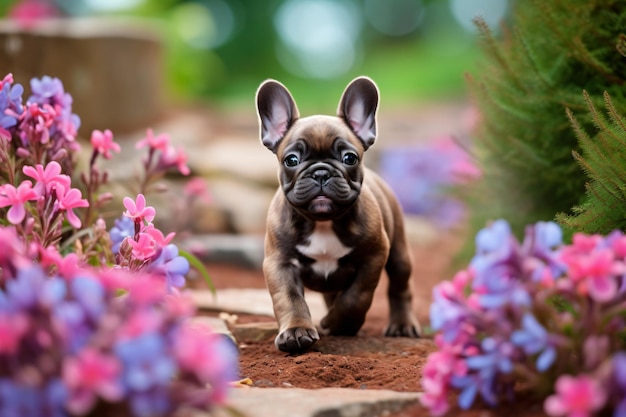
321, 173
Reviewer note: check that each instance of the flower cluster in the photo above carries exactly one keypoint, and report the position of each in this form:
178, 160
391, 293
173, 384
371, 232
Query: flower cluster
540, 315
162, 155
70, 345
423, 175
90, 319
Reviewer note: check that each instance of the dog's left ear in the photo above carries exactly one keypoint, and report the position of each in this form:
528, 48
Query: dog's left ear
357, 108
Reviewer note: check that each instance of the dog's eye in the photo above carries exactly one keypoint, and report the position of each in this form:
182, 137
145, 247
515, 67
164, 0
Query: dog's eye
350, 158
291, 160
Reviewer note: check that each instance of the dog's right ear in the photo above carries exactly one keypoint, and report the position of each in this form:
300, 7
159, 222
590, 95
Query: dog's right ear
277, 112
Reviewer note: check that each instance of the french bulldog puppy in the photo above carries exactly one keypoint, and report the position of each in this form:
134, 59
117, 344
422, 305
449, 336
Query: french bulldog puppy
333, 224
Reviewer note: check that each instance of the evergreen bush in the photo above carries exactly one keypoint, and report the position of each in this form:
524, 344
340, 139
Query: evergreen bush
528, 150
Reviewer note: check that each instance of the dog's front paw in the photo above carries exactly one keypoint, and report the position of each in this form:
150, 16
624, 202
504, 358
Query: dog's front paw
403, 329
296, 339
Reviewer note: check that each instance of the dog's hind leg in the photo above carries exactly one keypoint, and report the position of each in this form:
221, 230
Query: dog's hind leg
402, 320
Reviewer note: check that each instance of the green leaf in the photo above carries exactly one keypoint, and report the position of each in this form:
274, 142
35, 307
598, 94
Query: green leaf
199, 266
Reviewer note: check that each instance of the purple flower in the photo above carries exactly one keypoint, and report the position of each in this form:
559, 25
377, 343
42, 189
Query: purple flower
152, 402
541, 243
90, 294
124, 227
171, 265
496, 357
23, 290
10, 104
533, 338
25, 400
147, 363
496, 251
50, 91
473, 383
70, 318
447, 311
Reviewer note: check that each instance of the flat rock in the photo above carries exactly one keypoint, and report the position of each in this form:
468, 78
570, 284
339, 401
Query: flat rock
254, 332
360, 345
250, 301
325, 402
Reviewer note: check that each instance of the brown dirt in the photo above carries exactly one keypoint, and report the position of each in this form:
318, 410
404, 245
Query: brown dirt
335, 362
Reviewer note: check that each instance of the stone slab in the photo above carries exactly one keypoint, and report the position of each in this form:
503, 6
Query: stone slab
250, 301
325, 402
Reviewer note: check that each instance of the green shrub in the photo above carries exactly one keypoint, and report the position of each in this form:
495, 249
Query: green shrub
551, 52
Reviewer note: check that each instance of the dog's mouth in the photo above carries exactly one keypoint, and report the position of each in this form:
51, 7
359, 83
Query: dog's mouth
321, 205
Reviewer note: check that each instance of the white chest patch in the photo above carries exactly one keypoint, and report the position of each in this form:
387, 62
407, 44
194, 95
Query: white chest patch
325, 248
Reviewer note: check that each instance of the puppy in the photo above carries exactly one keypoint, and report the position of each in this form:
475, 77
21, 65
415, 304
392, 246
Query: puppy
333, 225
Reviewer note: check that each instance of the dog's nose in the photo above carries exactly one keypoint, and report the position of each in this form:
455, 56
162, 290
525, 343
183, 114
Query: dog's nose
321, 176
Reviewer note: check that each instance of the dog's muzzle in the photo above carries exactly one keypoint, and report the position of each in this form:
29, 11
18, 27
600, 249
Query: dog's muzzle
321, 190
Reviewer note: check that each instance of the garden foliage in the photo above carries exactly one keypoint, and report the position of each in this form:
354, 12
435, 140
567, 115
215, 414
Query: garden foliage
602, 159
91, 321
555, 51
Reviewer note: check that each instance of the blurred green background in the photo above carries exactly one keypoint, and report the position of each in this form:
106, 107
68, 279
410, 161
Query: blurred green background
220, 50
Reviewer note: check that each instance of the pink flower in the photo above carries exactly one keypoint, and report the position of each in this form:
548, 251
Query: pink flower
36, 123
440, 367
172, 157
160, 142
137, 210
103, 143
88, 375
592, 270
180, 304
157, 235
12, 328
16, 198
197, 187
207, 354
146, 290
67, 267
142, 321
69, 199
28, 12
8, 79
577, 396
47, 177
144, 247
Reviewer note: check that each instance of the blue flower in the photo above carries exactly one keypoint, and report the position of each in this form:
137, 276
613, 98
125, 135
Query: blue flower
71, 319
154, 402
32, 401
90, 294
446, 313
124, 227
171, 265
147, 363
496, 357
533, 338
10, 104
23, 290
494, 238
541, 241
48, 90
496, 261
470, 385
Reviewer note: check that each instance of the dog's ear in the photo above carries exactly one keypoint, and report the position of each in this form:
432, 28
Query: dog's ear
277, 112
357, 108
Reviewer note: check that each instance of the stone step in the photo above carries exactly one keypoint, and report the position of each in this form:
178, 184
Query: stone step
325, 402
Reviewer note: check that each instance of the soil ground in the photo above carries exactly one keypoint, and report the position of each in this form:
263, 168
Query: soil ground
358, 362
